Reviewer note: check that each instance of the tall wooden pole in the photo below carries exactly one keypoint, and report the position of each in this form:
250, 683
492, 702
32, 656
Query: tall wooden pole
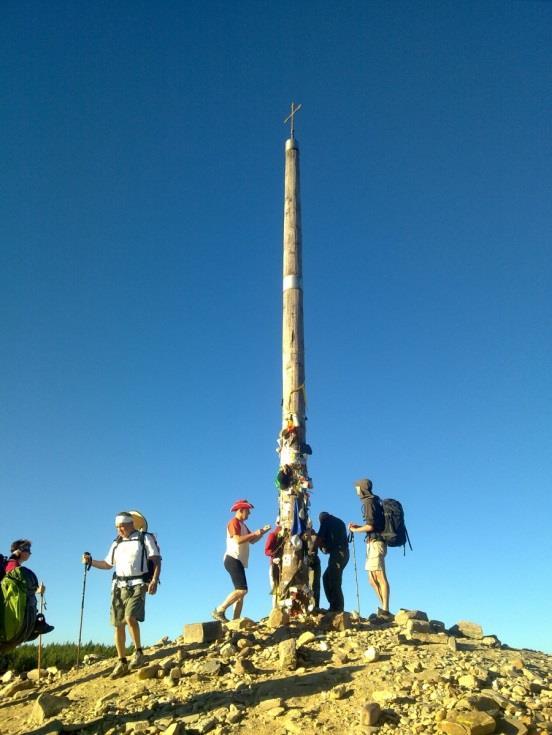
293, 476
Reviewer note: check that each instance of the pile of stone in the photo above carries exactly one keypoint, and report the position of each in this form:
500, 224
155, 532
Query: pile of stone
336, 674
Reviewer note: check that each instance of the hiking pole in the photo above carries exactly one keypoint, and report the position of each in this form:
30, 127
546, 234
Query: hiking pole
352, 540
87, 566
42, 607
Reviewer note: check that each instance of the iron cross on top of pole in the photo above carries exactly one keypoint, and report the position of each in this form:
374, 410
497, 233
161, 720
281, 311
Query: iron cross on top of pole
294, 109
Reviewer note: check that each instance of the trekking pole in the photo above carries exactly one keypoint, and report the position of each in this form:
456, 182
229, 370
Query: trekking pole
352, 540
42, 608
86, 568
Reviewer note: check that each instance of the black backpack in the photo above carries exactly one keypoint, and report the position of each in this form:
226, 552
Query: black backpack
394, 532
388, 521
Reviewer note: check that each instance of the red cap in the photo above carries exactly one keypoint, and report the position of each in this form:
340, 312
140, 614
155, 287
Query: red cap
241, 504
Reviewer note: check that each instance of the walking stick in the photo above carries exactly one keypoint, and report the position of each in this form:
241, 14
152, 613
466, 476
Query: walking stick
42, 607
86, 568
352, 540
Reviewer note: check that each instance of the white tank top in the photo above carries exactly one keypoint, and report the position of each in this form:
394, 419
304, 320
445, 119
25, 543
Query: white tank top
235, 550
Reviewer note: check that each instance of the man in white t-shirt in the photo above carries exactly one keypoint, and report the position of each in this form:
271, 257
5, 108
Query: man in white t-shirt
129, 554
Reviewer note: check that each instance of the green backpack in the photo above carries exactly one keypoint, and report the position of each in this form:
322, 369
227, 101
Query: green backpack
17, 607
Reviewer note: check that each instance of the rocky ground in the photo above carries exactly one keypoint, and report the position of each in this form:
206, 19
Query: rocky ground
325, 674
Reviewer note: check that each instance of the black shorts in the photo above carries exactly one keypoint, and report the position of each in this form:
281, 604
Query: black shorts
236, 570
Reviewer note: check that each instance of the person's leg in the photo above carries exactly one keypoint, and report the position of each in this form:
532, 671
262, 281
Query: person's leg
374, 579
375, 565
342, 558
235, 569
134, 629
327, 584
238, 605
314, 580
120, 640
333, 582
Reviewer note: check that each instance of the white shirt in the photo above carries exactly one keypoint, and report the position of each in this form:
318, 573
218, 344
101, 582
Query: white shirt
238, 551
128, 558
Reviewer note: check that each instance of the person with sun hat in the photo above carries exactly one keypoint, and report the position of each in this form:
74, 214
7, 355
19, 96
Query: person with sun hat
238, 538
136, 559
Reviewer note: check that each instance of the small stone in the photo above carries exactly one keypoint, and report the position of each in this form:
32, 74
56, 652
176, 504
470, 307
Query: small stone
511, 726
384, 695
452, 644
149, 672
228, 650
138, 727
452, 728
48, 705
243, 666
241, 624
338, 692
467, 629
403, 615
176, 728
371, 654
36, 674
203, 632
268, 704
468, 681
370, 713
340, 657
476, 723
304, 638
175, 673
7, 677
288, 655
211, 667
19, 685
417, 626
277, 618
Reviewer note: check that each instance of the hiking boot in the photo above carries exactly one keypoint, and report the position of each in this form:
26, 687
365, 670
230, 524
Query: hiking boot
218, 615
385, 615
121, 669
138, 659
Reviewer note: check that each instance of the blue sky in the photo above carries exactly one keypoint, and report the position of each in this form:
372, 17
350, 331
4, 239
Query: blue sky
141, 176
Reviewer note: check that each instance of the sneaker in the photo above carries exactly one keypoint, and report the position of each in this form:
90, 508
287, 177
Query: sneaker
218, 615
138, 659
385, 614
121, 669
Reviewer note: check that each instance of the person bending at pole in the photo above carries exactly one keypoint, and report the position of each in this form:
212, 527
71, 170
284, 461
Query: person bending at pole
332, 539
129, 554
376, 549
238, 538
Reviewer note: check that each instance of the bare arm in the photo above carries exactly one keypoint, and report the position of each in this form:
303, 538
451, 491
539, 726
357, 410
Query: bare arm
96, 563
252, 537
360, 529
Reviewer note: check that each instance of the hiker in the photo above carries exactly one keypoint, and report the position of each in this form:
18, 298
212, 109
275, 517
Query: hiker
129, 553
332, 540
274, 546
20, 552
376, 549
238, 538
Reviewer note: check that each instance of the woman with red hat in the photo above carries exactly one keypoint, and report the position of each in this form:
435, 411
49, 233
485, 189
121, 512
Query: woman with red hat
238, 538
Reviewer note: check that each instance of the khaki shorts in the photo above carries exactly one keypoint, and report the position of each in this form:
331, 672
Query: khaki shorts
128, 602
376, 552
